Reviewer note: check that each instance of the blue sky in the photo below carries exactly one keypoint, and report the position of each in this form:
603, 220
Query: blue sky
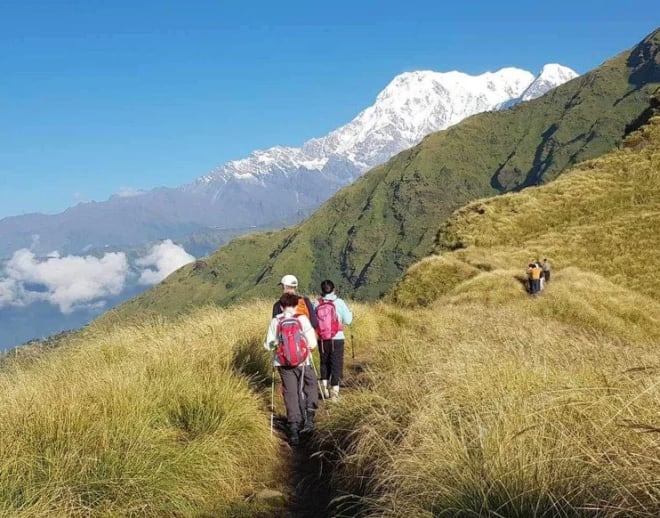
97, 96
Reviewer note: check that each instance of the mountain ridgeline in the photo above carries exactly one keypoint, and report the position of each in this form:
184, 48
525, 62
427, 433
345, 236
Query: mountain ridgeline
281, 185
594, 221
368, 234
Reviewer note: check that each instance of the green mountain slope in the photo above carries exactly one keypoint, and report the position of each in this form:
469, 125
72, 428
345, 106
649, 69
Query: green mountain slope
366, 235
601, 218
494, 403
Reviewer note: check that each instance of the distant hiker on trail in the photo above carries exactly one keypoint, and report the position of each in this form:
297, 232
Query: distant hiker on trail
332, 314
545, 268
289, 284
292, 338
534, 276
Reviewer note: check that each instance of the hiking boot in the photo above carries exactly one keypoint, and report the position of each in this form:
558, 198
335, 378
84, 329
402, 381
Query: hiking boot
294, 438
335, 395
309, 422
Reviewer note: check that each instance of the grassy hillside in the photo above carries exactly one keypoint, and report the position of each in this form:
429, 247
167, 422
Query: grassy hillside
528, 407
150, 420
600, 217
470, 398
483, 401
366, 236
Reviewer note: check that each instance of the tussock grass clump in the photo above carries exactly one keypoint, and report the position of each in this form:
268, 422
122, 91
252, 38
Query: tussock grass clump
153, 419
429, 279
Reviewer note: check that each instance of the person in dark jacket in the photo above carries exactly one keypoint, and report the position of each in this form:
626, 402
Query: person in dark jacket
545, 268
305, 307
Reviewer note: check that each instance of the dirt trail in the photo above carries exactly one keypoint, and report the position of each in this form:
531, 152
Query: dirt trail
309, 481
309, 471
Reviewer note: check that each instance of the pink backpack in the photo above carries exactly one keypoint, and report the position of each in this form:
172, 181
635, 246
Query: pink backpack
329, 325
293, 349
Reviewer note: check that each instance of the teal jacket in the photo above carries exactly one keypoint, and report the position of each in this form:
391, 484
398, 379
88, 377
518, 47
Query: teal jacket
344, 314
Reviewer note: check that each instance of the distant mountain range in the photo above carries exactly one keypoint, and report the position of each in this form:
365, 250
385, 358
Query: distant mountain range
42, 292
281, 184
367, 234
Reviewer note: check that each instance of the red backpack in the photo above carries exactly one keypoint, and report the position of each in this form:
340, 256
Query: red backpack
293, 349
329, 325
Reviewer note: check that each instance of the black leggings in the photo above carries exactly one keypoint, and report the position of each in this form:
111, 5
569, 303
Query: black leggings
332, 360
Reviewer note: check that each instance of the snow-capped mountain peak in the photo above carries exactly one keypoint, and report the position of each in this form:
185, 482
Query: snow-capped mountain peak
415, 104
551, 76
557, 72
410, 107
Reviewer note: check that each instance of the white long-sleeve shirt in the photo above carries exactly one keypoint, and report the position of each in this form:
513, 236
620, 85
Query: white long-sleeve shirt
308, 332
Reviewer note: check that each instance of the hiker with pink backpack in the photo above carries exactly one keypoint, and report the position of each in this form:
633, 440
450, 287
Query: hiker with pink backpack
291, 338
332, 314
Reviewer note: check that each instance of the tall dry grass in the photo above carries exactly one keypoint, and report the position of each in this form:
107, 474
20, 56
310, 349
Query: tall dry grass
158, 419
601, 217
513, 407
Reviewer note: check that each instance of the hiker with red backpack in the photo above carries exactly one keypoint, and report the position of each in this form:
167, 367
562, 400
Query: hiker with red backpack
291, 338
332, 314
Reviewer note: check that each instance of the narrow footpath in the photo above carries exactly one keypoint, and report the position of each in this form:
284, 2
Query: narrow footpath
308, 476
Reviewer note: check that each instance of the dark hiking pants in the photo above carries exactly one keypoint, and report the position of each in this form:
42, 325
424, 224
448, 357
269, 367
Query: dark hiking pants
332, 361
300, 391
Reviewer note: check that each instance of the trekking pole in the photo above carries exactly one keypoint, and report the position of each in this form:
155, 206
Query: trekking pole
353, 347
318, 381
272, 401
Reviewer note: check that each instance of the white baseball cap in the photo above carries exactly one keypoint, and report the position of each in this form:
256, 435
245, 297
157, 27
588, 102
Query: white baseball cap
289, 280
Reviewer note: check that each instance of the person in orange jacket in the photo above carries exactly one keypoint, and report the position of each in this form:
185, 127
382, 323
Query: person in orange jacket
534, 276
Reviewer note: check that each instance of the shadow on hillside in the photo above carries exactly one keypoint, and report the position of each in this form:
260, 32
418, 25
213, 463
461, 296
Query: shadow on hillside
641, 60
522, 279
313, 493
253, 362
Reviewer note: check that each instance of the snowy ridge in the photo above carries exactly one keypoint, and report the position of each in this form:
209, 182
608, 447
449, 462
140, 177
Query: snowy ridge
415, 104
410, 107
280, 185
551, 76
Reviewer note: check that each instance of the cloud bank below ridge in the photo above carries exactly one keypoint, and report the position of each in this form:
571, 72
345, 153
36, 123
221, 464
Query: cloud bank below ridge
76, 282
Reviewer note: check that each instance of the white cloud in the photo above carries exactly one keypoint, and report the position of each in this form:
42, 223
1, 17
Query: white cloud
165, 258
75, 282
69, 282
8, 292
